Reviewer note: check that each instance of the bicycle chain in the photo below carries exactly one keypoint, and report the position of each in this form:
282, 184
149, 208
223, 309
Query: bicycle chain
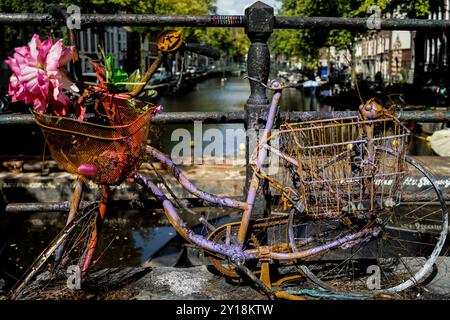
218, 235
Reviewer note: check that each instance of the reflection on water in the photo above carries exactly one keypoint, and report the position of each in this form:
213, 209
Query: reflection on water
151, 240
231, 95
210, 95
128, 239
215, 95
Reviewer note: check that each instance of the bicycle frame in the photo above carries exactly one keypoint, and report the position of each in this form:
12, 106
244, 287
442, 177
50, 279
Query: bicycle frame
235, 252
231, 250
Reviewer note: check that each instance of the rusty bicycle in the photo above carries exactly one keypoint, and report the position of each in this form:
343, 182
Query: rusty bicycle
342, 209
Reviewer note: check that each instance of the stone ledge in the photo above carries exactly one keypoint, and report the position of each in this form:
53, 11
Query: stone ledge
193, 283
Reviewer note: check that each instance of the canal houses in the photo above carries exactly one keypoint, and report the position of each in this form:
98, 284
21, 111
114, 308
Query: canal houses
385, 54
114, 40
406, 56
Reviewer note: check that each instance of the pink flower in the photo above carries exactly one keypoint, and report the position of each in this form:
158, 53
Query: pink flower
38, 77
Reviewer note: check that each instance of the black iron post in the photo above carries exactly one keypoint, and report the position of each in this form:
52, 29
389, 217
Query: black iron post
260, 22
260, 19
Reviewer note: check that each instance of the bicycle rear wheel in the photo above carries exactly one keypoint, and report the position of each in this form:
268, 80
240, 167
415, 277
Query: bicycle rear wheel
401, 255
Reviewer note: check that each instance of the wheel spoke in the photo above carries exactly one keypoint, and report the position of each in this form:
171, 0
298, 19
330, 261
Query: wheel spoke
401, 251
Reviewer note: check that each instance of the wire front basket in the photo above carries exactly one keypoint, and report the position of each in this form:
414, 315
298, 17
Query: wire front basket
116, 147
347, 165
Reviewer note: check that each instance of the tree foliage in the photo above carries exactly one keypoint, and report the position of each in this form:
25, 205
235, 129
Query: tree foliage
230, 42
306, 43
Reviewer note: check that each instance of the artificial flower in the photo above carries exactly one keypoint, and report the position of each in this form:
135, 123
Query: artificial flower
38, 76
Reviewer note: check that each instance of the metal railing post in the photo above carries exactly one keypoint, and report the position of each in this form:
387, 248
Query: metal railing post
260, 22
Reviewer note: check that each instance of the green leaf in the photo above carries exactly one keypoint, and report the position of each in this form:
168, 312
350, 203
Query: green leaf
109, 66
134, 77
119, 75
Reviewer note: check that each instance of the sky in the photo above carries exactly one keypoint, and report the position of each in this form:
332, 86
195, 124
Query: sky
237, 7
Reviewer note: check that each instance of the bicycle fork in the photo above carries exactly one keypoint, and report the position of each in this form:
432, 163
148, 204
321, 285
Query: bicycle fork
96, 231
94, 236
74, 205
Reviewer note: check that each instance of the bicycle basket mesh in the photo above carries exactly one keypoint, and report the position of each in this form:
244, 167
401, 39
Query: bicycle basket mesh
348, 165
116, 149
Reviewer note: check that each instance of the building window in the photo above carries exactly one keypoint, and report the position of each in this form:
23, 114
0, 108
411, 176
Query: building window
93, 44
112, 41
107, 42
85, 40
96, 42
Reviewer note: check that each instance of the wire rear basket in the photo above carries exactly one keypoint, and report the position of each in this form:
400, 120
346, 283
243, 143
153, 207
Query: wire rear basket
348, 165
116, 148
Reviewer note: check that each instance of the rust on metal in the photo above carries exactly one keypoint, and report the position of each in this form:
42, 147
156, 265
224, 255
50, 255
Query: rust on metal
76, 199
239, 117
189, 186
231, 251
280, 22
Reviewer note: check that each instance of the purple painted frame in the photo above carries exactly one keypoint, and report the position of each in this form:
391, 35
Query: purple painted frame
234, 252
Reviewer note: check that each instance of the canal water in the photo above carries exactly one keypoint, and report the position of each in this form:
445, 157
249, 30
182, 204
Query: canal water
214, 94
132, 237
228, 96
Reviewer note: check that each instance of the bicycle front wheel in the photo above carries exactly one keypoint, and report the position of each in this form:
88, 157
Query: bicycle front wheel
400, 256
50, 266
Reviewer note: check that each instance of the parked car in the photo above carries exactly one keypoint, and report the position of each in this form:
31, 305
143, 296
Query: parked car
161, 75
191, 69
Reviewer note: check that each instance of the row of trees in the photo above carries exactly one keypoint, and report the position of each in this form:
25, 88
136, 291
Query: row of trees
306, 43
230, 42
233, 42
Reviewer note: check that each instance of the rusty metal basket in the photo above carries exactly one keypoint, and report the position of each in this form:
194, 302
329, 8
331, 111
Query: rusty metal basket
116, 150
348, 165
